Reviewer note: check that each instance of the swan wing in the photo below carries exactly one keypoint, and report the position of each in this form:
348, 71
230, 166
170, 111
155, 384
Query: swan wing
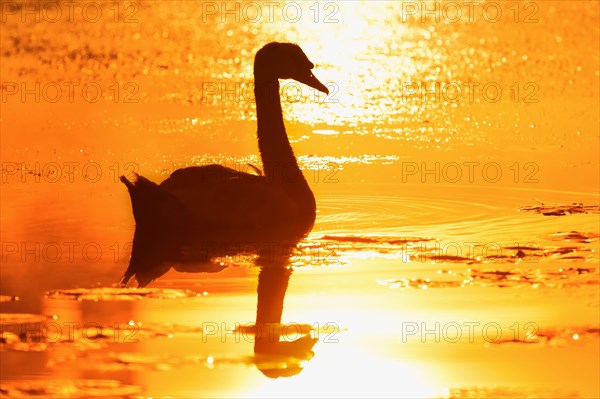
226, 200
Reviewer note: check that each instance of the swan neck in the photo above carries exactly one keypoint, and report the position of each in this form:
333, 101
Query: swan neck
273, 143
279, 162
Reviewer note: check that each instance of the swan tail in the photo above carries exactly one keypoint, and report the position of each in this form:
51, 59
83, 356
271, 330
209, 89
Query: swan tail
130, 185
160, 223
147, 262
153, 206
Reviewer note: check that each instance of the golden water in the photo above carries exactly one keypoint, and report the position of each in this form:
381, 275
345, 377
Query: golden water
455, 252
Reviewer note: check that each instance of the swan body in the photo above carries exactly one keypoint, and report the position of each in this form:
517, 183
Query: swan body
208, 205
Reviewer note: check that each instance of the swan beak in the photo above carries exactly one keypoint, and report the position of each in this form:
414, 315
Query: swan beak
312, 81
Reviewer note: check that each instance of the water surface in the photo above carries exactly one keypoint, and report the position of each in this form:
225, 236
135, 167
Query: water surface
455, 252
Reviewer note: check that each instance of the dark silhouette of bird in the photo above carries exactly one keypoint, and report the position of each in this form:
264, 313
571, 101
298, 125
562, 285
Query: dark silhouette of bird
274, 355
203, 212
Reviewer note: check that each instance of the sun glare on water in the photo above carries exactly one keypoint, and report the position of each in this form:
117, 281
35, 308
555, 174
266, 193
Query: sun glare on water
353, 374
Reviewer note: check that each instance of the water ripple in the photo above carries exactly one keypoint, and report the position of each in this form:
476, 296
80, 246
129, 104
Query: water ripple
67, 389
426, 249
121, 294
561, 210
501, 278
508, 392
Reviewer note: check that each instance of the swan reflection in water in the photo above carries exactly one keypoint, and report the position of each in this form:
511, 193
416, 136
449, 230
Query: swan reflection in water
269, 347
275, 353
204, 212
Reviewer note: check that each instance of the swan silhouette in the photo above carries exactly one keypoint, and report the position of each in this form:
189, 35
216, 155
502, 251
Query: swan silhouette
276, 357
198, 211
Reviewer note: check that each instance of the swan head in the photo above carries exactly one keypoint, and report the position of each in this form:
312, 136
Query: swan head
286, 61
